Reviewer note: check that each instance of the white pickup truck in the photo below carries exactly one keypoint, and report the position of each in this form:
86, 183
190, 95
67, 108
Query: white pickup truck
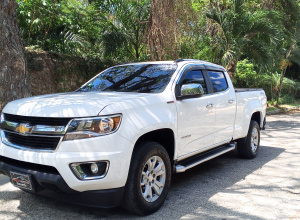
117, 139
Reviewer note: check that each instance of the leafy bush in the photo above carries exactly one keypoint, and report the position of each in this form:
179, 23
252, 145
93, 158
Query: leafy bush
286, 99
246, 76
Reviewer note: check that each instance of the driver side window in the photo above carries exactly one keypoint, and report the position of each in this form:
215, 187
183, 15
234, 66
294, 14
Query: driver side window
195, 77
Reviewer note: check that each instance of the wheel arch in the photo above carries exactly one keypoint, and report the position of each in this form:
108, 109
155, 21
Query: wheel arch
163, 136
256, 116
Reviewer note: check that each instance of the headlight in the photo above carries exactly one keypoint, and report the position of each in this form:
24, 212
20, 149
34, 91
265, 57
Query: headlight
92, 127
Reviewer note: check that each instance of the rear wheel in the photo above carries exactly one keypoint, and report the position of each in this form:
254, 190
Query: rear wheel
148, 180
249, 148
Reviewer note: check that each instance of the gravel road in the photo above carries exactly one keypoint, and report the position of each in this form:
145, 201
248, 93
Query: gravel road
227, 187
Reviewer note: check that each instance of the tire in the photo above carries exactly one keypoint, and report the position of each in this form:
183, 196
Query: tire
133, 200
245, 149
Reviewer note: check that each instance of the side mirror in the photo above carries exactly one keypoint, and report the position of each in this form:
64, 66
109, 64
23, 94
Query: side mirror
189, 91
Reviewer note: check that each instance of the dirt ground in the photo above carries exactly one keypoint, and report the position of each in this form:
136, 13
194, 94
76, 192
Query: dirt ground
227, 187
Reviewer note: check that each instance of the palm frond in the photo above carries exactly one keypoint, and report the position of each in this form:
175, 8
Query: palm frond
237, 5
113, 40
258, 53
228, 55
269, 31
75, 38
295, 56
288, 84
216, 16
276, 80
297, 36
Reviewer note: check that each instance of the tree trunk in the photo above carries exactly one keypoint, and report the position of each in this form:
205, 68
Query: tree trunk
31, 23
272, 94
162, 30
272, 99
14, 77
231, 67
280, 85
47, 30
136, 43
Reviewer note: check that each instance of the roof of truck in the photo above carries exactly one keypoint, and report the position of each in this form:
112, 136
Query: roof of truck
178, 62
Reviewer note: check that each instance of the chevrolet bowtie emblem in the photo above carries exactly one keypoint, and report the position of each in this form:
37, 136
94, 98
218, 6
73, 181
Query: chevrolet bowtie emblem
23, 128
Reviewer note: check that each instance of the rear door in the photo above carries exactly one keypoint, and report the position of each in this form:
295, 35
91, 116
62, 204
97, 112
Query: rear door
225, 106
196, 116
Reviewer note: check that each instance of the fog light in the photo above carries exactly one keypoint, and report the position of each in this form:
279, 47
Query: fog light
94, 168
90, 170
78, 170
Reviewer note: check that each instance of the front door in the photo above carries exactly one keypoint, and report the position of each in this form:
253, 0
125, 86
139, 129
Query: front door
196, 116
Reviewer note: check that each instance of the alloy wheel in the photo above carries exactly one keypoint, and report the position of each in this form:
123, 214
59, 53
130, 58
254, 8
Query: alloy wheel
254, 140
153, 179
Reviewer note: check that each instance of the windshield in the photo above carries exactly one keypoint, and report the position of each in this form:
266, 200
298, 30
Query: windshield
144, 78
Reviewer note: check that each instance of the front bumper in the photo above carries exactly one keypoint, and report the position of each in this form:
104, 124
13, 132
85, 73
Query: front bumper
113, 148
48, 182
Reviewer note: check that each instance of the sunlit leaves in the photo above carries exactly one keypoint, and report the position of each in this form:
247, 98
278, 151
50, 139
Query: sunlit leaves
244, 33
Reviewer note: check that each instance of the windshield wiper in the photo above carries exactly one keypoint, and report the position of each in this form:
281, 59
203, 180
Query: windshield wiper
79, 90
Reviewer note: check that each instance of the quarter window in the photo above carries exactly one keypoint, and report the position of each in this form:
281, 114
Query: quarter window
218, 81
195, 77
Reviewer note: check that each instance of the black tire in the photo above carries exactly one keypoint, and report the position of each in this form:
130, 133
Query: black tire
244, 148
133, 200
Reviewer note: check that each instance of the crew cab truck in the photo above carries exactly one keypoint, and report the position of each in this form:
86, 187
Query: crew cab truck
117, 139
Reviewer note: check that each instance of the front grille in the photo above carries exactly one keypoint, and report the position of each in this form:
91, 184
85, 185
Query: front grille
29, 166
37, 120
33, 142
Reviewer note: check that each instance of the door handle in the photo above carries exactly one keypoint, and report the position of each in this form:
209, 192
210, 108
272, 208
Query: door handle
231, 101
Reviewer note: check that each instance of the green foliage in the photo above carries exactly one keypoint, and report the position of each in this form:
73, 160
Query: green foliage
286, 99
124, 37
243, 33
246, 76
65, 26
258, 37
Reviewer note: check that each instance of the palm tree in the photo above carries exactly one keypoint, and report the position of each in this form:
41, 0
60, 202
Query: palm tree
290, 55
243, 33
273, 80
124, 36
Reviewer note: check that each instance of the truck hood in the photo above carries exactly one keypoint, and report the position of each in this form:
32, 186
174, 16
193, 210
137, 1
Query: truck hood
74, 104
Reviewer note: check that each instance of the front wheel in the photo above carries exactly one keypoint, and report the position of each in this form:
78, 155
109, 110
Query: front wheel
148, 180
249, 148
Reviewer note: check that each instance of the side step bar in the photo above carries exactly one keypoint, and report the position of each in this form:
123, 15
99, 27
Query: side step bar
205, 156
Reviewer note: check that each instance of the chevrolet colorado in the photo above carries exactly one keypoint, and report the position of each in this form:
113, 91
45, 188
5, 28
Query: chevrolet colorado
117, 139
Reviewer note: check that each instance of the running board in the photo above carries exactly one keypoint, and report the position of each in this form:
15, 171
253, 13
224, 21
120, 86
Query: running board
205, 156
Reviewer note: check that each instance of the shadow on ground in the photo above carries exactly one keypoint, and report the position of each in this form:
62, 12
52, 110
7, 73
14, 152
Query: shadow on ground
189, 191
3, 180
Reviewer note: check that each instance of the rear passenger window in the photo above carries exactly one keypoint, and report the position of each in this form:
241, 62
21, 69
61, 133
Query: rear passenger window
195, 77
218, 81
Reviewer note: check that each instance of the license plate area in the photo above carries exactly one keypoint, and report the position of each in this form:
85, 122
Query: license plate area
21, 180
